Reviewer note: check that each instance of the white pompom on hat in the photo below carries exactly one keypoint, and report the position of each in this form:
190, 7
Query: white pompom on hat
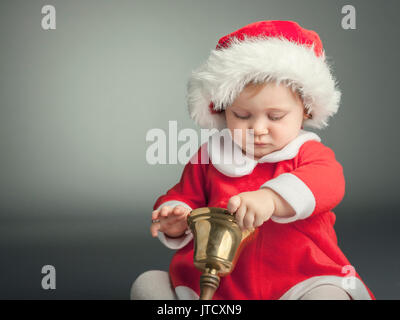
260, 52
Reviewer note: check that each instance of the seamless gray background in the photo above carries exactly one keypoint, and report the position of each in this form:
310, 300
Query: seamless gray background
76, 103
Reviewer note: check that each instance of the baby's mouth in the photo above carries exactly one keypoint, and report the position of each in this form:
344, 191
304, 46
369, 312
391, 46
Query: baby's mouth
259, 145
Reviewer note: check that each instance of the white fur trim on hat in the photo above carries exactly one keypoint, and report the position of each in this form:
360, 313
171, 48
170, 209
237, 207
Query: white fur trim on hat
227, 71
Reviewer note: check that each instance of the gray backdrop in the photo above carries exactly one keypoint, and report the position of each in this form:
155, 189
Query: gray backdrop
77, 102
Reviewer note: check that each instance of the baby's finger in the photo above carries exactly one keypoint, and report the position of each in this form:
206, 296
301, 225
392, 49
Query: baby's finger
248, 220
179, 210
165, 211
239, 215
258, 221
155, 214
233, 204
181, 217
154, 229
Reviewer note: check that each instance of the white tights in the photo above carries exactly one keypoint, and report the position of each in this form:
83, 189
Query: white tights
156, 285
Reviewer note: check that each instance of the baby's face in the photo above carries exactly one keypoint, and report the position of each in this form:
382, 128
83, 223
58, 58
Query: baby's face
275, 113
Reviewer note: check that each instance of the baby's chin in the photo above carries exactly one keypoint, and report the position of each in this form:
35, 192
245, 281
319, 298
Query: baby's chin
259, 151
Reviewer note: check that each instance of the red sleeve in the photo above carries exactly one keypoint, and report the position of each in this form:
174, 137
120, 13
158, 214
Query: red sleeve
191, 189
315, 185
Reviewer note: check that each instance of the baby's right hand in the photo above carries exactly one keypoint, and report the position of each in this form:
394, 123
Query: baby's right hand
172, 221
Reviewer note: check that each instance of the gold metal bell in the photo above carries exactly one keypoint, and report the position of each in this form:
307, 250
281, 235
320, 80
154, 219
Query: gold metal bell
218, 241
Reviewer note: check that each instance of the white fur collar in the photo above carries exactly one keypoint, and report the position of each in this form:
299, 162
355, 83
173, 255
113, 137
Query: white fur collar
234, 163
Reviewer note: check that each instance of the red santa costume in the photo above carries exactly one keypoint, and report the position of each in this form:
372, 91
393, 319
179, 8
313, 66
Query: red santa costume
287, 256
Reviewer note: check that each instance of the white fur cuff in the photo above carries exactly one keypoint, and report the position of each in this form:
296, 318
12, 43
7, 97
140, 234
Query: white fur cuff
296, 193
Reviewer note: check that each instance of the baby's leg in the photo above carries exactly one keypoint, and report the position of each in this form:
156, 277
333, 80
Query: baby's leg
153, 285
326, 292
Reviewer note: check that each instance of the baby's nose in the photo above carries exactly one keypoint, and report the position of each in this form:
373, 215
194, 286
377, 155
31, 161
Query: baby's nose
260, 128
260, 132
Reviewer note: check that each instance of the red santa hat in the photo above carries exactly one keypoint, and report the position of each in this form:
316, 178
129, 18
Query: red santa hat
280, 51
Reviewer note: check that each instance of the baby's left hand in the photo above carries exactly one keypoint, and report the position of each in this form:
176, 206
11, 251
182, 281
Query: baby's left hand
252, 208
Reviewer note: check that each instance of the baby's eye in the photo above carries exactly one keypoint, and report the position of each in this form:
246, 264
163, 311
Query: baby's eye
240, 116
275, 118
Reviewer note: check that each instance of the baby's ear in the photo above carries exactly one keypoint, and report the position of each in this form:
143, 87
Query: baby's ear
306, 114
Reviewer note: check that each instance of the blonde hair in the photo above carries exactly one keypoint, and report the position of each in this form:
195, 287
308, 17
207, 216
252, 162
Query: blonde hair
292, 85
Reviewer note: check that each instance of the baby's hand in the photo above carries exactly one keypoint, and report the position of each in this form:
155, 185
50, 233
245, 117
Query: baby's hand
172, 221
252, 208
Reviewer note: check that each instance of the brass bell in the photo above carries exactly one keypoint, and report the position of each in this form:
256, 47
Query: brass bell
218, 241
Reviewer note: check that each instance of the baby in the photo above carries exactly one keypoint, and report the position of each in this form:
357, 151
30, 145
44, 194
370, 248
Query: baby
265, 81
